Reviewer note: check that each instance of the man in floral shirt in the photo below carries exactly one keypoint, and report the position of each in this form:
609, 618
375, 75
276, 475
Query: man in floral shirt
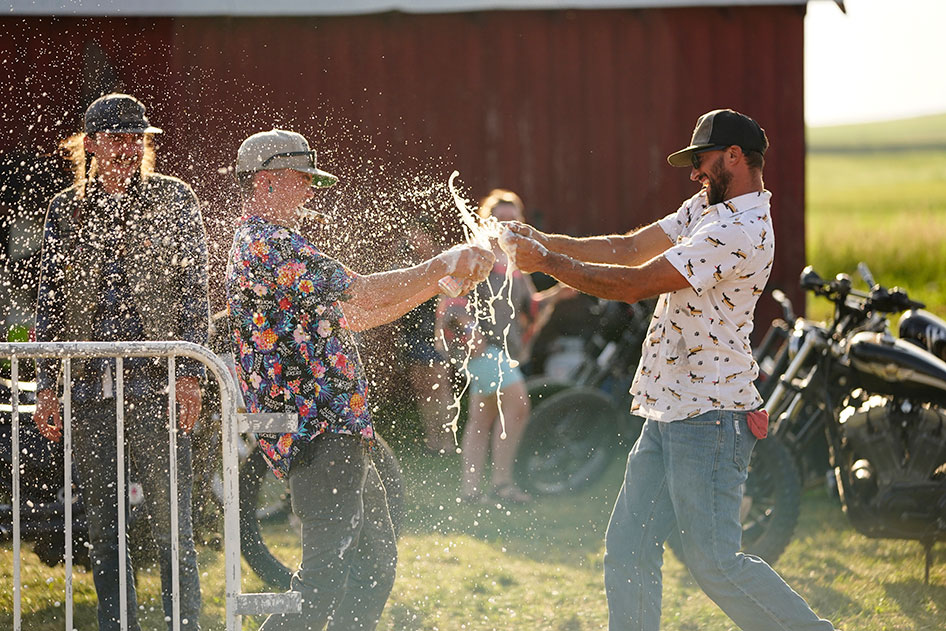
296, 353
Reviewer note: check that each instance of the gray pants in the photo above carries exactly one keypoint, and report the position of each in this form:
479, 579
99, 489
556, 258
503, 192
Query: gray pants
349, 551
146, 438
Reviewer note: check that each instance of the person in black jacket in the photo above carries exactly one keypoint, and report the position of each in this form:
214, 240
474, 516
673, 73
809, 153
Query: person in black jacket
125, 258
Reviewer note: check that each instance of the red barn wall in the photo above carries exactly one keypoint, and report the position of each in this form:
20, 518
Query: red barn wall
575, 110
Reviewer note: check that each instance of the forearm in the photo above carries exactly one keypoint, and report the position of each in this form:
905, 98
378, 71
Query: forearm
194, 326
48, 329
616, 282
360, 319
634, 248
49, 299
390, 291
195, 306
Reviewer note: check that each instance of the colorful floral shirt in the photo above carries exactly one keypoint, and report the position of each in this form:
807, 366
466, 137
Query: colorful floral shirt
294, 350
696, 356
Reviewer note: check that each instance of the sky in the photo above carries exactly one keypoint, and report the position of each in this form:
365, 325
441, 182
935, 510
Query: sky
883, 60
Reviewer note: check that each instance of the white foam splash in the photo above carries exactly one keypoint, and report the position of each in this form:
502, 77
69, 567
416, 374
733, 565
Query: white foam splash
480, 231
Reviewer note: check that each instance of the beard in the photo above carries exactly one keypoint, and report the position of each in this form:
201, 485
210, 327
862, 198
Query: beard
717, 182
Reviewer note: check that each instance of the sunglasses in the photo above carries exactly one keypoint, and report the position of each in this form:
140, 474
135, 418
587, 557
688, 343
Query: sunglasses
290, 154
696, 159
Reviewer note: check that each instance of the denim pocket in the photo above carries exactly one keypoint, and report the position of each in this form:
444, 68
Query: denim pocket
743, 441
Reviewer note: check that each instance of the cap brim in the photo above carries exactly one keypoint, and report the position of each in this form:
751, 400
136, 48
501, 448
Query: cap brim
682, 158
131, 130
322, 179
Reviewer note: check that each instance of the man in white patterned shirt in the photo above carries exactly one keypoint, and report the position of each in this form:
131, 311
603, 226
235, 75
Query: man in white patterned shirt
709, 262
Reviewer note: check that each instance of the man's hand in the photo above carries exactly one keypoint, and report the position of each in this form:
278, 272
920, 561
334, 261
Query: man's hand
468, 262
527, 231
526, 253
187, 396
47, 409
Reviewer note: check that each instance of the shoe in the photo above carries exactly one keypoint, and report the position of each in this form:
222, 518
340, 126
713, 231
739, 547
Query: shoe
511, 494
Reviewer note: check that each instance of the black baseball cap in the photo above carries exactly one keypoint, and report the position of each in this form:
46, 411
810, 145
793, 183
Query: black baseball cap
117, 114
722, 128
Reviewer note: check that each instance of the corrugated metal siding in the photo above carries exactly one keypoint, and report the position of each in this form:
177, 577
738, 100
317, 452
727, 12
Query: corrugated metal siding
575, 110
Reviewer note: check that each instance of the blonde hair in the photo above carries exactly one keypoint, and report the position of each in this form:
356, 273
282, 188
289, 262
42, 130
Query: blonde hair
496, 197
73, 149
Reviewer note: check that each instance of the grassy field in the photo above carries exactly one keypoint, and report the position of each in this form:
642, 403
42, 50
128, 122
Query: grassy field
482, 568
923, 132
885, 205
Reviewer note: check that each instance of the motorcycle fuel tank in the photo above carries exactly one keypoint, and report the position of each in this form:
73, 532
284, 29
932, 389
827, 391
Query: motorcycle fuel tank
887, 365
924, 329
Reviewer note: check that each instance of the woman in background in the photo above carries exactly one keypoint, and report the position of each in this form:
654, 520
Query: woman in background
495, 380
427, 369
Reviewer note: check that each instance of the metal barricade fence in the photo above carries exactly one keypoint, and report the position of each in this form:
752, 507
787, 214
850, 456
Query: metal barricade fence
232, 425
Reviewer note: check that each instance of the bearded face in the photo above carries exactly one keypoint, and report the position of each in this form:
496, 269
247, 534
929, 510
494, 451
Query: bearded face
718, 180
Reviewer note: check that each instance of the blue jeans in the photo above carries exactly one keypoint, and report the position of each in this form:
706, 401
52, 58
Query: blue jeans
691, 474
146, 439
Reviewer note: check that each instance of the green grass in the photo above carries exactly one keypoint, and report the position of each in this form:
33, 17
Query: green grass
480, 568
879, 205
910, 133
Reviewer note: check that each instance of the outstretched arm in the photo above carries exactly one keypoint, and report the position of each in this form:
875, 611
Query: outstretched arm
361, 318
634, 248
627, 283
385, 296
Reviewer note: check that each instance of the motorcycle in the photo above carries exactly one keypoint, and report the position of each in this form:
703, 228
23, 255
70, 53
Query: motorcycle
42, 497
577, 423
876, 403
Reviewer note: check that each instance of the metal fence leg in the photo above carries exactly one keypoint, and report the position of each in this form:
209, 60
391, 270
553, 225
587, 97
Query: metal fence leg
175, 518
121, 491
67, 483
15, 429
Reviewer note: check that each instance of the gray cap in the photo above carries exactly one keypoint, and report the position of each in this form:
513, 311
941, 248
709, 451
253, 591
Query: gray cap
117, 114
720, 129
280, 149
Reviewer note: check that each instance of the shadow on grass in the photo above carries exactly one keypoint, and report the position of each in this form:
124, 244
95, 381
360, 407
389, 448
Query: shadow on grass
923, 604
567, 529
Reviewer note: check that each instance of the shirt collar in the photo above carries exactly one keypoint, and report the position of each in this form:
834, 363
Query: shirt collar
252, 218
741, 203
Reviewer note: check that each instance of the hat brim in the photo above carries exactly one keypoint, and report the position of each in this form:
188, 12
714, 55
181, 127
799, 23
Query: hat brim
683, 158
320, 178
130, 130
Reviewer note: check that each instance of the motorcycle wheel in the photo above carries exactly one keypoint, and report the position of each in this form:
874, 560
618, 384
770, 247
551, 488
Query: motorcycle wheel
771, 503
265, 499
568, 442
540, 389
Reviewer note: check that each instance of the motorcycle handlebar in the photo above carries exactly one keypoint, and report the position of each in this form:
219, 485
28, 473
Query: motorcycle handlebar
879, 299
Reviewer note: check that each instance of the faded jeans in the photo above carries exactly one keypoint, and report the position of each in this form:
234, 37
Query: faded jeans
349, 551
146, 439
691, 473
